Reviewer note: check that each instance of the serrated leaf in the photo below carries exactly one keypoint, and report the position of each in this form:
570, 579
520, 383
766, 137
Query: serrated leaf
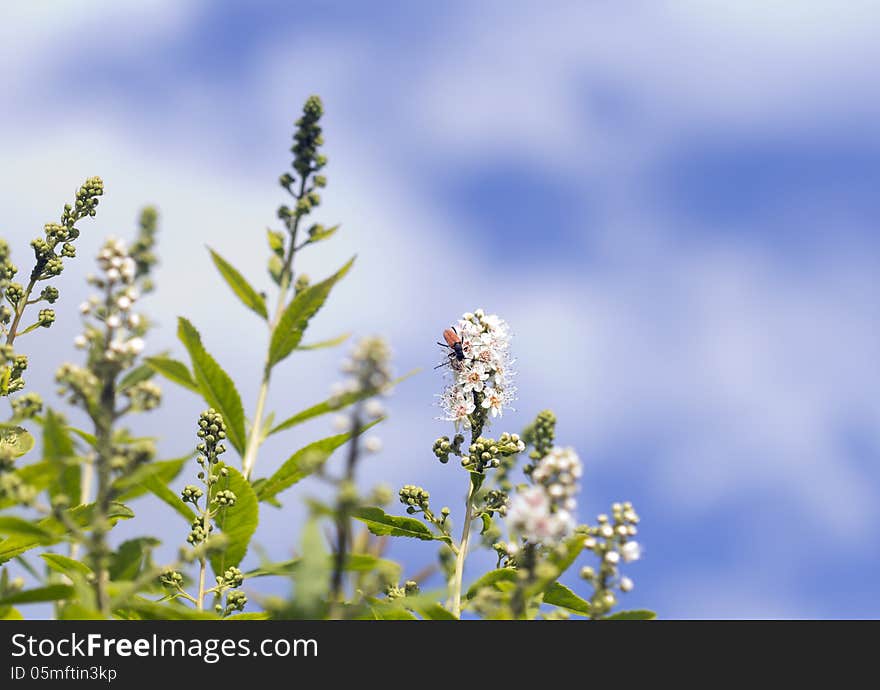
132, 485
65, 565
215, 384
32, 596
558, 594
141, 373
252, 299
237, 523
11, 525
333, 404
634, 615
15, 441
321, 344
175, 371
382, 524
295, 319
302, 463
494, 578
59, 451
355, 563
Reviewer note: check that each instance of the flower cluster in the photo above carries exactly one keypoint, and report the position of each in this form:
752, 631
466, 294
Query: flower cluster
115, 335
368, 372
542, 513
481, 384
612, 541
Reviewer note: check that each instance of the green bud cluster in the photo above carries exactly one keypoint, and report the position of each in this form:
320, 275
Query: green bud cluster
212, 430
301, 283
485, 453
77, 385
126, 457
12, 366
143, 396
46, 317
26, 406
415, 498
49, 294
13, 488
224, 498
48, 259
171, 578
394, 592
232, 577
7, 268
443, 448
611, 540
541, 435
235, 601
495, 501
199, 530
142, 249
191, 494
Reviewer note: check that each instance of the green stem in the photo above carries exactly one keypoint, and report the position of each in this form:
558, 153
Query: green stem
462, 551
19, 312
254, 440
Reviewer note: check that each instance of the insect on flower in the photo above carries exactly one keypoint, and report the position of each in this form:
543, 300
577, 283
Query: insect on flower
456, 346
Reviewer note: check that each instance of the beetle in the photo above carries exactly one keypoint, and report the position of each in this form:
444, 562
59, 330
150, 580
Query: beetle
456, 346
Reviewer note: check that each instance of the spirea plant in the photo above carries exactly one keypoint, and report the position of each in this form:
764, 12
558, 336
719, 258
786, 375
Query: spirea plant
72, 469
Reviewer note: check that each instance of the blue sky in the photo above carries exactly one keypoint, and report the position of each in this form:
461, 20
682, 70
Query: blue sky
673, 204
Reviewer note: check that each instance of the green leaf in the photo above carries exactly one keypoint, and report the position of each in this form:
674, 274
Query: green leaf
333, 404
132, 485
85, 436
355, 563
276, 242
7, 613
487, 523
302, 463
250, 616
80, 515
32, 596
560, 595
15, 441
141, 373
37, 475
19, 527
129, 558
319, 233
59, 451
158, 488
497, 579
434, 612
237, 522
64, 565
174, 371
311, 580
138, 608
252, 299
382, 524
635, 615
215, 384
331, 342
289, 331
